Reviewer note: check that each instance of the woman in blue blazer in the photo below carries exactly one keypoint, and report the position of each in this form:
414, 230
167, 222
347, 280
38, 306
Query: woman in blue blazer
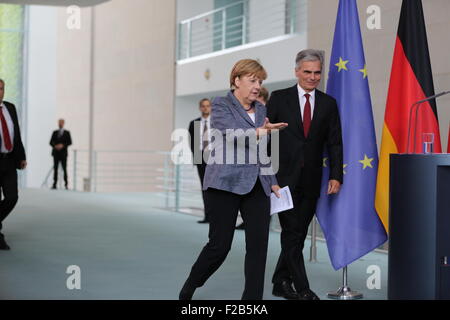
237, 180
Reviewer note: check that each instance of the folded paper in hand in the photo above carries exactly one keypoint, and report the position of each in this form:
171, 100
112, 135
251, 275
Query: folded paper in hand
283, 203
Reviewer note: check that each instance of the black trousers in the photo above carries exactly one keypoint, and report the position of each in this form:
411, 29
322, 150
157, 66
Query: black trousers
294, 229
8, 187
56, 160
201, 174
224, 207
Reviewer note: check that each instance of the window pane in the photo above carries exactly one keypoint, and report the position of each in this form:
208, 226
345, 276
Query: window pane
11, 51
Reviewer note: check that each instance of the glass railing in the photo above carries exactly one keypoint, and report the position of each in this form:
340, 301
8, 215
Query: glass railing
178, 185
238, 24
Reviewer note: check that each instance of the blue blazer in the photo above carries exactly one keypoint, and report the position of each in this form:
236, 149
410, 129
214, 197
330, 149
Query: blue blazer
235, 177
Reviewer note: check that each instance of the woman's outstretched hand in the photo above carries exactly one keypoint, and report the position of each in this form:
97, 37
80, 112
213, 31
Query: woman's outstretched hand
267, 127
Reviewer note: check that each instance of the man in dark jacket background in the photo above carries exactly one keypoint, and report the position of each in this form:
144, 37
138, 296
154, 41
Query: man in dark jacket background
60, 141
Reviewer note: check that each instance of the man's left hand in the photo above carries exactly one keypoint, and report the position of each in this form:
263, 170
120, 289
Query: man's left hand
23, 164
333, 186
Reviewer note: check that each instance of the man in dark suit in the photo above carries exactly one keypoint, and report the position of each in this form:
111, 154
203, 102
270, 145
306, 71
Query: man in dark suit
12, 157
197, 128
60, 141
314, 124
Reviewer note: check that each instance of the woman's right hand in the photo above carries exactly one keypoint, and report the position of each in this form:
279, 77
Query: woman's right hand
276, 189
268, 127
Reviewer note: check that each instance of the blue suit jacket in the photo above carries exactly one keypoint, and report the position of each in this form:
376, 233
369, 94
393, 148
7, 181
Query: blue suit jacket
236, 177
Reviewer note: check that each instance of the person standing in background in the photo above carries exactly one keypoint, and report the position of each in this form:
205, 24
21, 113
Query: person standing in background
60, 140
200, 144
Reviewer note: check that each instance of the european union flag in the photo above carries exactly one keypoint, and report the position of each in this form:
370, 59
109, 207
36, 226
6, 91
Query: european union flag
349, 220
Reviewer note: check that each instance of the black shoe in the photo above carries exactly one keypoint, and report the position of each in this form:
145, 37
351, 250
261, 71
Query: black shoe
307, 294
285, 290
67, 188
203, 221
240, 227
3, 244
186, 292
53, 187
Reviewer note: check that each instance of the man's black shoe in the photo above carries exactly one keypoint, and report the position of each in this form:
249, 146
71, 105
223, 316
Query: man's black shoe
3, 244
203, 221
186, 292
54, 187
285, 290
307, 294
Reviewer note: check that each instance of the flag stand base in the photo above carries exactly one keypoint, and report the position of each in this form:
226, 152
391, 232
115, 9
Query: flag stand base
344, 292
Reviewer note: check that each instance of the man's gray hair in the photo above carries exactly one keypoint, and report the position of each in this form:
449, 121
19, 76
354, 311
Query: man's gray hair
309, 55
2, 81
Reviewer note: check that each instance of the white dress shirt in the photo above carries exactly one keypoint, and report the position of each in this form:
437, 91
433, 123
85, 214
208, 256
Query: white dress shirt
302, 99
252, 116
10, 125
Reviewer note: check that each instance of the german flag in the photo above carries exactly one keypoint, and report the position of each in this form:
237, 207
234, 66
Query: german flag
411, 81
448, 144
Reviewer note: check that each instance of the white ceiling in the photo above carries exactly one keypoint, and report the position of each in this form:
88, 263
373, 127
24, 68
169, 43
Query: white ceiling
62, 3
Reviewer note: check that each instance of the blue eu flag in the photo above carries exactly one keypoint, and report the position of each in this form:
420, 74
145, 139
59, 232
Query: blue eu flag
349, 221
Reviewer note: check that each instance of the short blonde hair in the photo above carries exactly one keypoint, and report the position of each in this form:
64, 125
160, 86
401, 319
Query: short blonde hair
247, 67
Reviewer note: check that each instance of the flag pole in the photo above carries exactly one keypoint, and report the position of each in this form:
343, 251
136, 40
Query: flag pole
313, 248
344, 292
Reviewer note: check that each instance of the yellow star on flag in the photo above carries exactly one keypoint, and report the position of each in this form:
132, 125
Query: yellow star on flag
342, 64
367, 162
345, 166
364, 71
325, 162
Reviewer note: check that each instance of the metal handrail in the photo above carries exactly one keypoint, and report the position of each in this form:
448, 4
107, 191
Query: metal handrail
224, 32
177, 184
44, 183
202, 15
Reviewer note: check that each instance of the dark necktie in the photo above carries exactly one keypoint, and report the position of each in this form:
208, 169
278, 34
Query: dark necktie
205, 132
307, 116
5, 131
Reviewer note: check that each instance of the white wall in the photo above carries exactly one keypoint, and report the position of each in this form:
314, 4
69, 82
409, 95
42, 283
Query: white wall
133, 86
187, 8
41, 92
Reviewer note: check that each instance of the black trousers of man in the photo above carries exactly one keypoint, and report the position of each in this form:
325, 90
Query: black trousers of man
224, 206
56, 160
294, 225
8, 187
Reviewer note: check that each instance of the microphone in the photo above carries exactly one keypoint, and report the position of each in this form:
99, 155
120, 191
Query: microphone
418, 103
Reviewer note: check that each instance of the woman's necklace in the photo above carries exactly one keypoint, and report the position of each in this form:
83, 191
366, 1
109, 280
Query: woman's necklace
251, 107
